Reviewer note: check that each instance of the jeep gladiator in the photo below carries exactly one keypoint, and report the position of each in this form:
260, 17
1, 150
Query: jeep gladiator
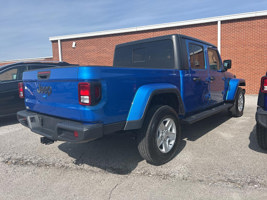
154, 85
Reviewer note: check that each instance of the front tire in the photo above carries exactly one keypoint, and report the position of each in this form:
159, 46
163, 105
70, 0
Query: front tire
160, 135
239, 104
261, 133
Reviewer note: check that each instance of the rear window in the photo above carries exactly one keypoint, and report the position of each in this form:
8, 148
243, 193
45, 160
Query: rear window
157, 54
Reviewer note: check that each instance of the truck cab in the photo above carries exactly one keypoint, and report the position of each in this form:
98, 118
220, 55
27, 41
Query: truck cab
200, 73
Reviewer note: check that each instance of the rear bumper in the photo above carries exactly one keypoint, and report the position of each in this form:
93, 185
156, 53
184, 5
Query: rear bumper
60, 129
261, 117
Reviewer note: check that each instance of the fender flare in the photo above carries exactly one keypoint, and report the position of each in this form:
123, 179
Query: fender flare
142, 100
232, 88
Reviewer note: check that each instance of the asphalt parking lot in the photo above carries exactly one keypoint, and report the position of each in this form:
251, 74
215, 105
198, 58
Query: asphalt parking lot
218, 159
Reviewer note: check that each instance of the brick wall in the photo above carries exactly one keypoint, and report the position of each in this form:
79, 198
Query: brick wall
100, 50
244, 41
55, 50
26, 60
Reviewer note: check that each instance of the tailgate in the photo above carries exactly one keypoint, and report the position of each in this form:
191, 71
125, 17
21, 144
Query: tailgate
53, 91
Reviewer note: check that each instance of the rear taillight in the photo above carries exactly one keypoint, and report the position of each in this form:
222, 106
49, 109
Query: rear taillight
89, 93
264, 84
84, 94
21, 90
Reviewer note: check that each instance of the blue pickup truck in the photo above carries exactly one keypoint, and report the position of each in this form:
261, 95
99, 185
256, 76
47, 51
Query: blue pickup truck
154, 85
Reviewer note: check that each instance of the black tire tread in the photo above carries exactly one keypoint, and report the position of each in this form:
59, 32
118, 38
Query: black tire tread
234, 111
142, 146
144, 137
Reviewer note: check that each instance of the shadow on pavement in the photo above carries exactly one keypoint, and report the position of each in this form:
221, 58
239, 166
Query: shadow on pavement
115, 153
195, 131
5, 121
253, 141
118, 153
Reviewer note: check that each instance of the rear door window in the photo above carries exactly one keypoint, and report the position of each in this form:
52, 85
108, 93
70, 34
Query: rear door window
196, 53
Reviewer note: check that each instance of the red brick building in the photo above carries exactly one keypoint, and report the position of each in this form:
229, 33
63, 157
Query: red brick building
26, 60
240, 37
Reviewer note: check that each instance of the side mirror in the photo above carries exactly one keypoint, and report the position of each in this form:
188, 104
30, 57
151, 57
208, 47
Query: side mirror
227, 64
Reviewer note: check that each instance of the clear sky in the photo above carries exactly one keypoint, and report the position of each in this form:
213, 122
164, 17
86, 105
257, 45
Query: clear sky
26, 25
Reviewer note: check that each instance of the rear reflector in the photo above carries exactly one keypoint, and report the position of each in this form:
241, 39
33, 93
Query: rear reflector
21, 90
76, 134
264, 84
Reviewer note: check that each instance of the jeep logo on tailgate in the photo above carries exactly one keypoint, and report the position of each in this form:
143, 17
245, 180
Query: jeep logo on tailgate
44, 90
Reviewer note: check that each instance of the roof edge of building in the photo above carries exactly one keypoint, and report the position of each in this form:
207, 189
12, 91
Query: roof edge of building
161, 26
26, 59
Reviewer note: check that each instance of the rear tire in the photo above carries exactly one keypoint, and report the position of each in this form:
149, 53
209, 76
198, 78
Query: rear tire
261, 133
160, 135
239, 103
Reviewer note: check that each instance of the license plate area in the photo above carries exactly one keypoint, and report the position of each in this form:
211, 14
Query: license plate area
34, 121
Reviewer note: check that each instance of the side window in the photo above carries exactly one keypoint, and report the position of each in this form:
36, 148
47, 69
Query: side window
139, 55
214, 60
123, 57
196, 53
156, 54
160, 54
9, 75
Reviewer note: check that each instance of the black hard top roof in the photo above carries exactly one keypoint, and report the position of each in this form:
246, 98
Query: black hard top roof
165, 37
36, 62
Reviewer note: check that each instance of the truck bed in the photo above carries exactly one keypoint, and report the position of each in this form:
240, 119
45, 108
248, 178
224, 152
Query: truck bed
119, 86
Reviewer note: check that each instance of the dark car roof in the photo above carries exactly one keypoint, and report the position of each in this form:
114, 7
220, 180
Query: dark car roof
165, 37
38, 63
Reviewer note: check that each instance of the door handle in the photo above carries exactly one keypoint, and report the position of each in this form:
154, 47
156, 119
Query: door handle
196, 79
43, 75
